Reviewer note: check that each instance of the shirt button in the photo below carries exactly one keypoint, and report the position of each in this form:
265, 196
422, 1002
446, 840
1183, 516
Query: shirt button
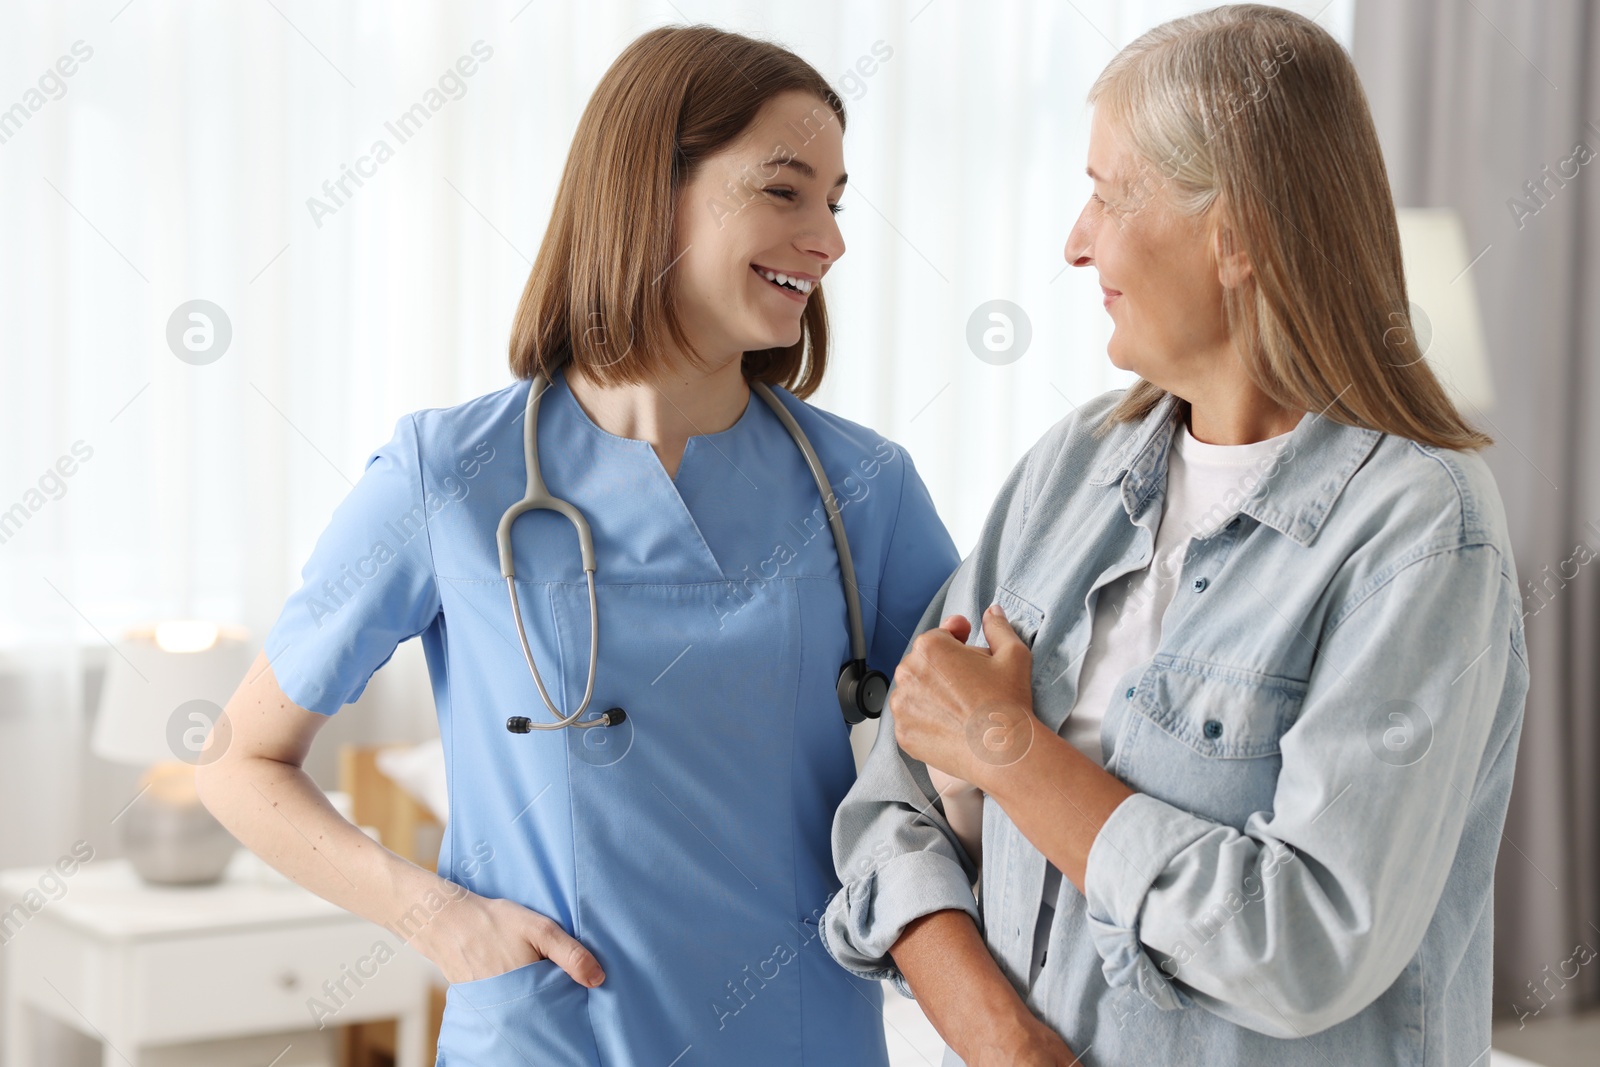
1129, 693
1213, 729
1200, 585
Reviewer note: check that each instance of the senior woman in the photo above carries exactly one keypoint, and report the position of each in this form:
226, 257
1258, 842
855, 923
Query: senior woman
1244, 701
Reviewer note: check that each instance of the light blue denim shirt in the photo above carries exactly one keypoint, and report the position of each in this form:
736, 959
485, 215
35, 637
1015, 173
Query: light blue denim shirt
1322, 749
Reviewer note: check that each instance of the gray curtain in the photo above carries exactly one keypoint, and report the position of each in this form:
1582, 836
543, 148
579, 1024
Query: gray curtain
1491, 107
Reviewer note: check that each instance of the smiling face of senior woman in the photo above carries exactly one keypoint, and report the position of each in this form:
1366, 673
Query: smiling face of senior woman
1161, 278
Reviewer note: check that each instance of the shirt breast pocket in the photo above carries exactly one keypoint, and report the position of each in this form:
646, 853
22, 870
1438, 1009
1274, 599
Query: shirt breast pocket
1205, 738
1025, 617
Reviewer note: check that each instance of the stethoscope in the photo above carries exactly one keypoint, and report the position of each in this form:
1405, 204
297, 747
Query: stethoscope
862, 692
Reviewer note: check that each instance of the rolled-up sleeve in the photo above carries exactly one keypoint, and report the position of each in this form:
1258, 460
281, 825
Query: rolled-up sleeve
895, 854
1315, 908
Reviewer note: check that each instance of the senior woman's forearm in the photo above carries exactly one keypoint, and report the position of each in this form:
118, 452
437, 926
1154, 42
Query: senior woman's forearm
961, 990
1059, 799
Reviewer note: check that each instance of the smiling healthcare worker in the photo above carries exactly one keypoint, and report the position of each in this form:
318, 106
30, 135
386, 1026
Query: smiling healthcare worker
645, 891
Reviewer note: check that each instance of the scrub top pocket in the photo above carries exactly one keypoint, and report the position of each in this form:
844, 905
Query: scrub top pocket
533, 1014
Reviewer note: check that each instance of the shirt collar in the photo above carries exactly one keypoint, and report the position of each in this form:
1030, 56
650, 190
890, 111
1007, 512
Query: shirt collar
1296, 487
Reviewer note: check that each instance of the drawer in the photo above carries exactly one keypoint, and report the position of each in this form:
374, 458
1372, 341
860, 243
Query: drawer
314, 976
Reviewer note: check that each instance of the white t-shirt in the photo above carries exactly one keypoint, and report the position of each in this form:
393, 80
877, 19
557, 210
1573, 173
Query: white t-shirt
1128, 613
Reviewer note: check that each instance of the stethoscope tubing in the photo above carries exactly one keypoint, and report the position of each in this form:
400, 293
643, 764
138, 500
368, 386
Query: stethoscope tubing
537, 498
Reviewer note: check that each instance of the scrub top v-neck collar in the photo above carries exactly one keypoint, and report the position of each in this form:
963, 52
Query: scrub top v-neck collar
692, 467
720, 440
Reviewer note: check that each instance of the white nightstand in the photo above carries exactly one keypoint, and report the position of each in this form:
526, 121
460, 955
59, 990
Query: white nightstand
136, 965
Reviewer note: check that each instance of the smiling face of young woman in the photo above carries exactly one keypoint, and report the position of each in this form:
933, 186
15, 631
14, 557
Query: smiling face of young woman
761, 208
1161, 283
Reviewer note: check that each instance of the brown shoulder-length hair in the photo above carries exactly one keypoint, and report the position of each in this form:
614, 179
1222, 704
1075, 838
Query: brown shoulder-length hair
1255, 114
597, 294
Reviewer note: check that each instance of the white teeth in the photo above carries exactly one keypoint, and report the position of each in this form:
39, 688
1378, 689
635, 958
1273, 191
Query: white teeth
798, 284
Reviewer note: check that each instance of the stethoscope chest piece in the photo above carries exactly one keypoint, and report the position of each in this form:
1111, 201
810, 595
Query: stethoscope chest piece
862, 692
521, 724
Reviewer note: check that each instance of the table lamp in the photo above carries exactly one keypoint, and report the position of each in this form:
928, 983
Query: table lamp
1444, 305
165, 686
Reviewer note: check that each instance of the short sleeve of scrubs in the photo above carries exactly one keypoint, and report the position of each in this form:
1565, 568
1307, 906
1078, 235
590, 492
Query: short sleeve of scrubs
368, 585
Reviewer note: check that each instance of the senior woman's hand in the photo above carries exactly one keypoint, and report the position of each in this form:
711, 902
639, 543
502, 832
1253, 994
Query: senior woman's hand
965, 710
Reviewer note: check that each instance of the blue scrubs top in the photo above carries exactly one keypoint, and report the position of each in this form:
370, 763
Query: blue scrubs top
688, 848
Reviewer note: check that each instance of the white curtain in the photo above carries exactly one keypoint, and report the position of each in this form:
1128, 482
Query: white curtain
178, 160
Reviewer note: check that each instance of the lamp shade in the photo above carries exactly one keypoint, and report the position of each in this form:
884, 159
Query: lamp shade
1444, 305
152, 675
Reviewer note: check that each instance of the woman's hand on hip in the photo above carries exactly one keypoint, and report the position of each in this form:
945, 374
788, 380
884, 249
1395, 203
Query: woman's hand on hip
967, 711
476, 937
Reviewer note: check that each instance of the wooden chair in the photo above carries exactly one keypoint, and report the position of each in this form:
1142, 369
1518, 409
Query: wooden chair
408, 829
